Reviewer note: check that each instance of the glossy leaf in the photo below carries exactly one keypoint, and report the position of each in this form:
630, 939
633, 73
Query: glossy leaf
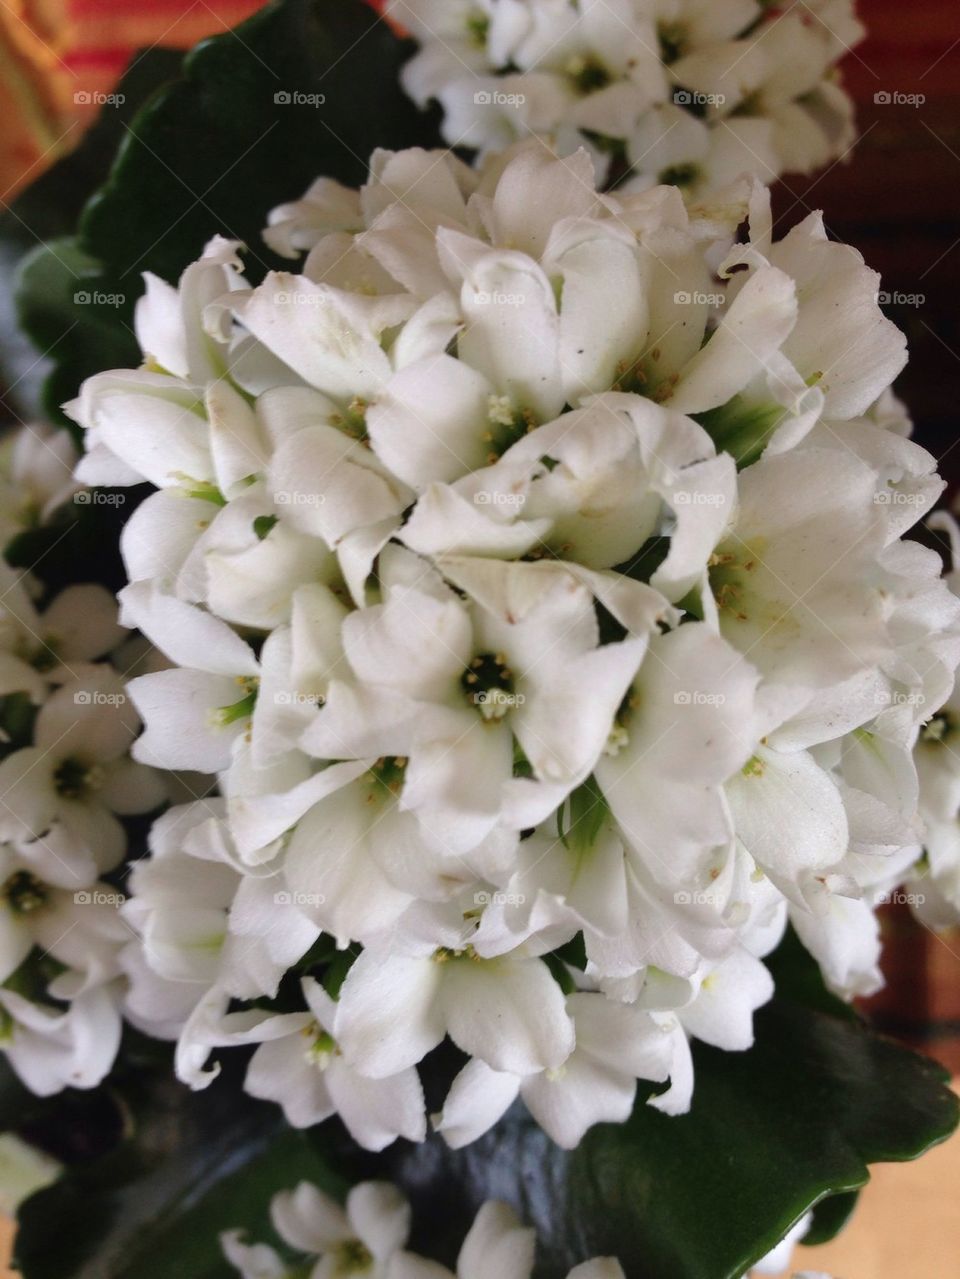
303, 88
774, 1131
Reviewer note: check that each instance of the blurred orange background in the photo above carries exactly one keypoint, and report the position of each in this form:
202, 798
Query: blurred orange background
57, 56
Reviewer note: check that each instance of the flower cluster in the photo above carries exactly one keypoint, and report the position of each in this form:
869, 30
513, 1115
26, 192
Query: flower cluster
368, 1236
677, 91
531, 568
66, 778
932, 889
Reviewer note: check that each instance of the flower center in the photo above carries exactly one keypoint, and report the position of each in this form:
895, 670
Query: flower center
224, 716
588, 73
74, 779
23, 893
47, 656
620, 728
673, 41
940, 729
680, 175
322, 1048
729, 576
387, 775
508, 425
445, 954
353, 421
351, 1256
488, 685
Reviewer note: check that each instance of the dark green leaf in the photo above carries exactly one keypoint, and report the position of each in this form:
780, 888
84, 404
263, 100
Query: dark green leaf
193, 1165
242, 130
705, 1195
49, 208
79, 326
830, 1216
772, 1132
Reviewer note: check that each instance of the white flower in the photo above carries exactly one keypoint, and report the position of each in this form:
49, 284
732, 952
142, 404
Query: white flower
616, 1045
363, 1238
62, 793
191, 714
36, 477
367, 1237
305, 1071
52, 1048
508, 1011
678, 92
528, 564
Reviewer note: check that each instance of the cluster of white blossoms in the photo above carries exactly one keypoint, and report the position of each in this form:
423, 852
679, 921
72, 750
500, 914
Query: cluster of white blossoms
66, 778
689, 92
368, 1236
531, 568
36, 478
933, 886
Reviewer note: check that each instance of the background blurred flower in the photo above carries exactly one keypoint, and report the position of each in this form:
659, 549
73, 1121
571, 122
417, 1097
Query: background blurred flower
59, 57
